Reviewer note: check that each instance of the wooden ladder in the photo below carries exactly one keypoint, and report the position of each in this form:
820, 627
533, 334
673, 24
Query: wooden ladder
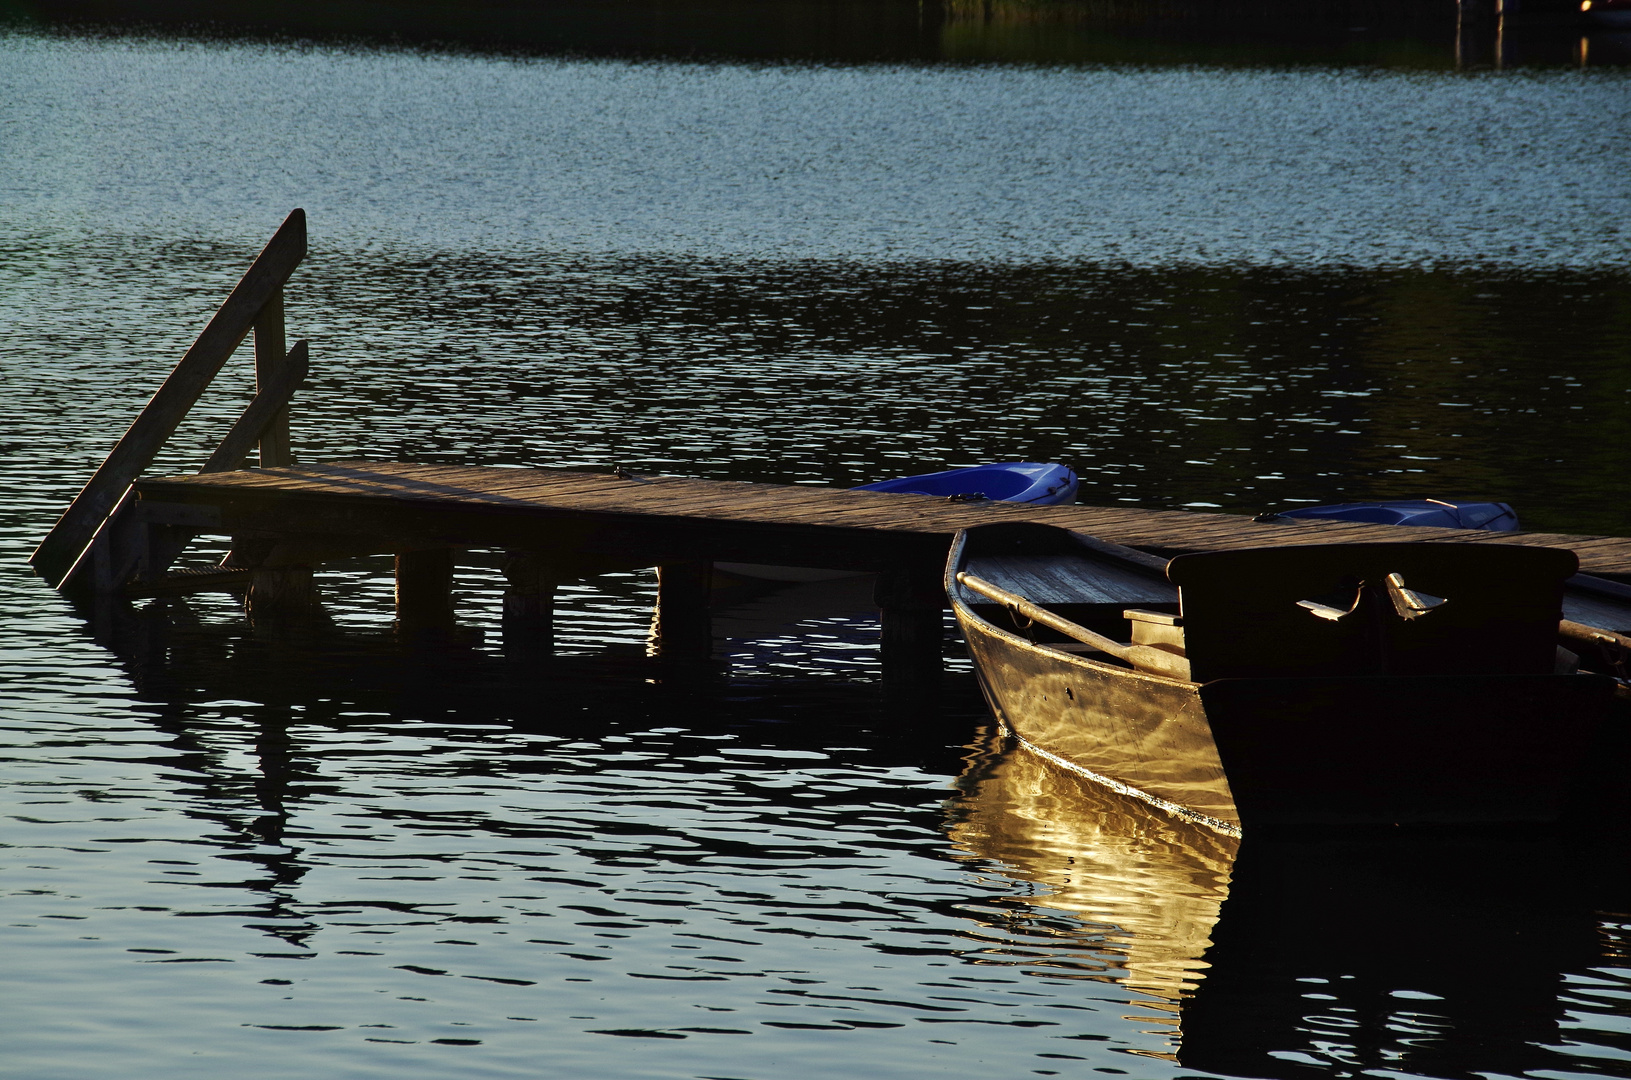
100, 541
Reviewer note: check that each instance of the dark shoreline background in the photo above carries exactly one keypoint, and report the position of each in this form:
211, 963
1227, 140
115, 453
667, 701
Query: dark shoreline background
1395, 34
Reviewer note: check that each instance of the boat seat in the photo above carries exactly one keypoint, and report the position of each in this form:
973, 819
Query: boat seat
1156, 628
1330, 609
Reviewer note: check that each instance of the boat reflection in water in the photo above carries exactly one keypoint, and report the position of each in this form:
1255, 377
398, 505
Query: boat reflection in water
1148, 885
1444, 953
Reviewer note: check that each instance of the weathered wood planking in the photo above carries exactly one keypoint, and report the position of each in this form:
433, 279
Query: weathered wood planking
661, 519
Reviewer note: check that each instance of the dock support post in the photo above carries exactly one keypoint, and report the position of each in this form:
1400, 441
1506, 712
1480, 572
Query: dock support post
269, 360
911, 600
683, 627
529, 602
281, 592
424, 590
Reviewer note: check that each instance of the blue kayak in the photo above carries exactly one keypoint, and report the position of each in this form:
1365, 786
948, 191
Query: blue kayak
1027, 482
1435, 513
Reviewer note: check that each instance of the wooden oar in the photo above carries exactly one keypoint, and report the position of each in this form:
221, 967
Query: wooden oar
1147, 657
1580, 633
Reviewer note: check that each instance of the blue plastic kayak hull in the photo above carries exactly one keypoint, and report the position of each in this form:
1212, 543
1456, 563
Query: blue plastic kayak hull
1434, 513
1029, 482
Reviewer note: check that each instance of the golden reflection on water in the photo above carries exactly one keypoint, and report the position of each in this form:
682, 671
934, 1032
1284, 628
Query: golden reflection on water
1149, 886
1421, 954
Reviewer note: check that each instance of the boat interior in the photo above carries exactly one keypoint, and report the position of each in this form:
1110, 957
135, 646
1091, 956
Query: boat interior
1087, 584
1317, 610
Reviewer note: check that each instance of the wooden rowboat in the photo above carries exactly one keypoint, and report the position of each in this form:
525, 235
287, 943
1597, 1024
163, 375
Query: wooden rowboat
1348, 684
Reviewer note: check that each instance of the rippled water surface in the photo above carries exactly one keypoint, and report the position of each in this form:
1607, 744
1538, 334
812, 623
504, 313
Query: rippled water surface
260, 852
1294, 167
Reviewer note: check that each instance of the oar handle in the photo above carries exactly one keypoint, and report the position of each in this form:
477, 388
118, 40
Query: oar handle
1581, 632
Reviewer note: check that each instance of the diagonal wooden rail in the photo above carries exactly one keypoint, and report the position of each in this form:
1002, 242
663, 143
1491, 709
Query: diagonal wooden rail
256, 301
121, 551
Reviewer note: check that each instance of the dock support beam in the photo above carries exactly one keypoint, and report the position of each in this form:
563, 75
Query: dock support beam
529, 602
911, 600
424, 591
683, 627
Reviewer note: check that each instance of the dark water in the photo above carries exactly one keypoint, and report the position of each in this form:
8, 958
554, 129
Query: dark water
229, 850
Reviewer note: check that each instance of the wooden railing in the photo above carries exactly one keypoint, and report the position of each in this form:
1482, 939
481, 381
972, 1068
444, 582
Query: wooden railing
256, 304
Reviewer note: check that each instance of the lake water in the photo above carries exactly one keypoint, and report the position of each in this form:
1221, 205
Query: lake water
1235, 286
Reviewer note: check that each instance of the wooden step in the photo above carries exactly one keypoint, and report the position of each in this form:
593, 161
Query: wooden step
187, 580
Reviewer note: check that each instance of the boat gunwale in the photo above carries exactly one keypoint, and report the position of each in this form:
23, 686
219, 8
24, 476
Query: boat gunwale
1121, 787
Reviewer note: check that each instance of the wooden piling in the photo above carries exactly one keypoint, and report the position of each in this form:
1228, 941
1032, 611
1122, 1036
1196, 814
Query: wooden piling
682, 626
910, 600
281, 592
424, 591
529, 602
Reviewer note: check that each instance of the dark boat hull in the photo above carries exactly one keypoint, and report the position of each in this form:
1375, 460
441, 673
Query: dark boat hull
1239, 753
1408, 750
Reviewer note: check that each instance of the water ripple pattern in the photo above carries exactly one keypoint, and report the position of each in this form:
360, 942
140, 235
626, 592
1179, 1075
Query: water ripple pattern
1146, 166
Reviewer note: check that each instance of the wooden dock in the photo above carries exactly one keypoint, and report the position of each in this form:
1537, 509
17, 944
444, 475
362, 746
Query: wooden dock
123, 534
580, 520
555, 526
